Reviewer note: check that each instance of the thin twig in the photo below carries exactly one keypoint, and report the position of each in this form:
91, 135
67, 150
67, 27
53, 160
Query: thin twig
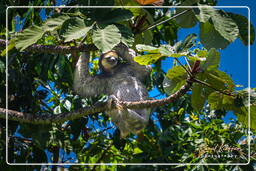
190, 69
162, 22
189, 73
210, 86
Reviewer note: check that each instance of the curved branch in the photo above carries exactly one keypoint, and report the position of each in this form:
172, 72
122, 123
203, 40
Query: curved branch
50, 118
55, 48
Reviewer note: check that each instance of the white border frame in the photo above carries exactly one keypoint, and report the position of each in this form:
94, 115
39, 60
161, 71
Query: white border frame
67, 164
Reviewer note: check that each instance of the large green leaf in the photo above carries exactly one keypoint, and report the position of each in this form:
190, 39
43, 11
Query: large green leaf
188, 19
145, 37
175, 79
32, 34
74, 28
212, 60
211, 38
242, 23
147, 48
127, 36
244, 100
55, 22
221, 23
225, 26
220, 80
243, 116
187, 43
106, 38
205, 13
230, 103
215, 100
154, 53
117, 15
28, 37
198, 98
147, 59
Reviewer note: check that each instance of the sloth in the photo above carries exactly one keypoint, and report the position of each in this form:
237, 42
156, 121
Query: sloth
121, 78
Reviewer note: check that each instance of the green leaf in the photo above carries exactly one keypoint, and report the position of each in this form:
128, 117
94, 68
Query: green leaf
55, 22
221, 23
202, 53
147, 59
225, 26
127, 36
145, 37
212, 60
188, 19
243, 116
205, 13
28, 37
215, 100
220, 80
198, 98
2, 67
163, 50
74, 28
244, 109
187, 43
147, 48
211, 38
242, 23
175, 79
11, 45
117, 15
137, 150
106, 38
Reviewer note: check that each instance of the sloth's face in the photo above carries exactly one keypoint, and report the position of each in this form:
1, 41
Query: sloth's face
109, 60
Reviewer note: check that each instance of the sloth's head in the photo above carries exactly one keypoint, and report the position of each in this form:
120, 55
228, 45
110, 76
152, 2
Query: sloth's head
108, 61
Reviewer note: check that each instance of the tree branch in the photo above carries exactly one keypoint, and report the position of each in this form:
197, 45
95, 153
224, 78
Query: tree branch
50, 118
55, 48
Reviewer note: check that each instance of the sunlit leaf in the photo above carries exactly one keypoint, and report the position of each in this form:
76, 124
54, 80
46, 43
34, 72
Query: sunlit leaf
74, 28
106, 38
11, 45
28, 37
55, 22
147, 59
175, 79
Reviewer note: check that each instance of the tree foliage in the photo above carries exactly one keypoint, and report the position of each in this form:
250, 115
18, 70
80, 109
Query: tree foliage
185, 131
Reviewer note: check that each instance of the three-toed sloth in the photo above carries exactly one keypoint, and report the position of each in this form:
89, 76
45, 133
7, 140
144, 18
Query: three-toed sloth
120, 78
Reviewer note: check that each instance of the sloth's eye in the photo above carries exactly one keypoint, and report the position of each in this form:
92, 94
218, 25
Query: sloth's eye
111, 59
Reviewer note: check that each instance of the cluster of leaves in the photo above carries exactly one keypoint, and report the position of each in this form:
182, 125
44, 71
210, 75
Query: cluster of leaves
42, 83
